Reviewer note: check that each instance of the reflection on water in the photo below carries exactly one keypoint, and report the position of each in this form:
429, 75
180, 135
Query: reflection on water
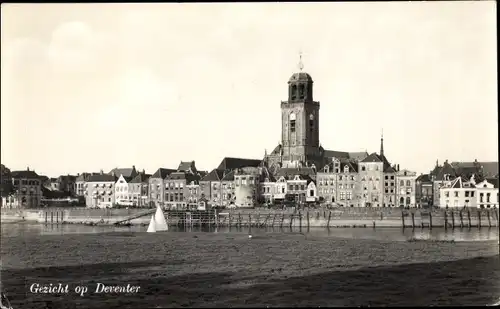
391, 234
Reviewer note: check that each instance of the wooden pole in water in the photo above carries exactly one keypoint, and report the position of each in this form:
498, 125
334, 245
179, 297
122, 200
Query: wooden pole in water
468, 217
412, 219
249, 220
324, 214
274, 218
430, 220
300, 218
229, 219
239, 219
51, 217
452, 219
327, 224
461, 219
489, 220
403, 218
282, 219
46, 217
479, 218
308, 224
445, 220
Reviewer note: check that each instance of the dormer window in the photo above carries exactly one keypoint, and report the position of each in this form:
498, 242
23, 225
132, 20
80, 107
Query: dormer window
346, 169
326, 169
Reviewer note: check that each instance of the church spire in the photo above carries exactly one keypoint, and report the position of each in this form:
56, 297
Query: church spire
382, 143
301, 65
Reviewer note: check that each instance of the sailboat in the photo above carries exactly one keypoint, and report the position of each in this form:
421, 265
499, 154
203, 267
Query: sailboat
152, 225
160, 222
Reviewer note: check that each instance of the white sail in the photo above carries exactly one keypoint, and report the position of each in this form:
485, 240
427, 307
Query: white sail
160, 222
152, 225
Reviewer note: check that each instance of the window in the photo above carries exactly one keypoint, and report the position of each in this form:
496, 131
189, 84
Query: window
311, 192
340, 177
290, 187
301, 91
294, 92
408, 183
447, 194
472, 194
346, 169
466, 193
363, 168
487, 197
341, 186
481, 197
311, 122
296, 187
349, 195
456, 193
352, 186
408, 200
342, 196
408, 191
386, 177
402, 183
292, 122
352, 177
392, 177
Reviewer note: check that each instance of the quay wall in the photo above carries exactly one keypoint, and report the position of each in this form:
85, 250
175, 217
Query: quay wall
381, 217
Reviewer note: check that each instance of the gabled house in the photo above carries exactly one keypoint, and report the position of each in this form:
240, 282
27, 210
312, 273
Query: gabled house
122, 194
487, 193
126, 172
138, 189
424, 191
210, 183
80, 183
157, 183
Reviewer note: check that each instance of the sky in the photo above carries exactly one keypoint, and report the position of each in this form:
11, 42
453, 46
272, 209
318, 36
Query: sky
86, 87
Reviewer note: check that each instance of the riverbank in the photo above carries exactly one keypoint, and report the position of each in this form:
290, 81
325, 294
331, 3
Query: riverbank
231, 270
341, 217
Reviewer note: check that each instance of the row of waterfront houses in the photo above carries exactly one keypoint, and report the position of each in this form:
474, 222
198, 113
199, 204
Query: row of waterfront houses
366, 182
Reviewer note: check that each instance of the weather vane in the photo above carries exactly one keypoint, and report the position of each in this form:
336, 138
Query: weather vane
301, 65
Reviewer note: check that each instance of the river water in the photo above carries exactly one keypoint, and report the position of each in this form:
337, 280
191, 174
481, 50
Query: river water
225, 268
388, 234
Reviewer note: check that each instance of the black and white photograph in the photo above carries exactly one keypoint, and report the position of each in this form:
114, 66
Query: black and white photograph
249, 154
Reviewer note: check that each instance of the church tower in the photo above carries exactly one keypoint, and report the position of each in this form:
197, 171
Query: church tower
300, 121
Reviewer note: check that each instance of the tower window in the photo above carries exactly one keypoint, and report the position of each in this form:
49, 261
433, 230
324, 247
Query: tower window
311, 122
292, 122
301, 92
294, 92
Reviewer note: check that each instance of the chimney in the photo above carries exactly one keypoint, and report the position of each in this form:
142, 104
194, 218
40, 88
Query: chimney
446, 161
398, 167
143, 171
102, 172
475, 160
28, 168
133, 167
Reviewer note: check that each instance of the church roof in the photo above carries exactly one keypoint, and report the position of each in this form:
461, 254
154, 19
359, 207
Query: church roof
234, 163
301, 76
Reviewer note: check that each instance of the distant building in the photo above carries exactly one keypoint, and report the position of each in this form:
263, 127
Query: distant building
424, 191
405, 188
26, 190
371, 176
6, 181
126, 172
122, 194
67, 184
193, 194
458, 193
247, 183
100, 191
138, 189
338, 183
157, 184
80, 182
487, 193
